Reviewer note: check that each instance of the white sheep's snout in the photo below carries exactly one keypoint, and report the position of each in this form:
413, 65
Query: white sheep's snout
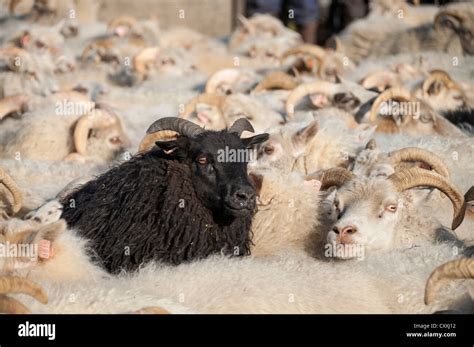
344, 233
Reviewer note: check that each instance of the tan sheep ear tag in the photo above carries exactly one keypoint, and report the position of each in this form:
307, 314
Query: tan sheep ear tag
45, 250
313, 184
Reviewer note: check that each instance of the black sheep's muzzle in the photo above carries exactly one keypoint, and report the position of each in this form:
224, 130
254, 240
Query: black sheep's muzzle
239, 200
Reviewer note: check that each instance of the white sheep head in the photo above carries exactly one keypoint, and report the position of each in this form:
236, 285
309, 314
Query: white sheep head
371, 213
304, 147
402, 112
441, 92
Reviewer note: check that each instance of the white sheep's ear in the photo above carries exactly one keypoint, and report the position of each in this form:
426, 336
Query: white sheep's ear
303, 136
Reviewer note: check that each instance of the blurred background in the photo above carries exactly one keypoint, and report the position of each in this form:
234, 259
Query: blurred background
316, 20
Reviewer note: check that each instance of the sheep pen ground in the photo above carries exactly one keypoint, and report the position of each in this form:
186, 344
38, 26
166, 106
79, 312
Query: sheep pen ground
360, 161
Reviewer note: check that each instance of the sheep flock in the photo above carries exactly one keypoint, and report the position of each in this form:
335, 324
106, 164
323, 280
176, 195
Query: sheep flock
356, 197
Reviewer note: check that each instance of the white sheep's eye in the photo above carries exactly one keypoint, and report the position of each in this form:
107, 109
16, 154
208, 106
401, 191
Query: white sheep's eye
202, 161
391, 208
268, 149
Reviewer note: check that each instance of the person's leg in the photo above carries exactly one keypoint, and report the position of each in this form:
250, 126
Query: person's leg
306, 15
272, 7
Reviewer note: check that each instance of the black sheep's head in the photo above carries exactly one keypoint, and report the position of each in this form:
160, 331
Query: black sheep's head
217, 161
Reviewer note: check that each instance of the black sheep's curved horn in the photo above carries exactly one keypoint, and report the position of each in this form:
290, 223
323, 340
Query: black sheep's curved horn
181, 126
240, 125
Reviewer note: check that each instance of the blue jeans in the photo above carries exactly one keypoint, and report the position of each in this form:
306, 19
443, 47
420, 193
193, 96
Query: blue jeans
305, 11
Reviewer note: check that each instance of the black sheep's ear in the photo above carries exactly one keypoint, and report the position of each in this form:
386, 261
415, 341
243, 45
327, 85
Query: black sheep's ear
255, 140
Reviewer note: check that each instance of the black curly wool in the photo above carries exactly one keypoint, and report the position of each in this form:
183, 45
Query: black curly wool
463, 118
147, 209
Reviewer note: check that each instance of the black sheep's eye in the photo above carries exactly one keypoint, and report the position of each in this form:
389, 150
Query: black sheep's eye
203, 161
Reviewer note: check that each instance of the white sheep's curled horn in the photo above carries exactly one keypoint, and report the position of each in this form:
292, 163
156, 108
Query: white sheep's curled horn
219, 77
21, 285
419, 154
241, 125
276, 80
10, 184
318, 52
337, 176
209, 99
378, 79
394, 93
98, 118
455, 269
302, 90
416, 177
14, 103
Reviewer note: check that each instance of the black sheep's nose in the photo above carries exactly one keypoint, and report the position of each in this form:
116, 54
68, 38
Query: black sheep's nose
243, 196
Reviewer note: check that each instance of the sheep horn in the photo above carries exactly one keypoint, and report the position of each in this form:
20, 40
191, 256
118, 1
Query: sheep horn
181, 126
394, 93
21, 285
98, 118
241, 125
210, 99
418, 154
149, 140
440, 76
374, 79
10, 184
302, 90
455, 269
12, 306
15, 103
276, 80
224, 75
314, 50
336, 176
415, 177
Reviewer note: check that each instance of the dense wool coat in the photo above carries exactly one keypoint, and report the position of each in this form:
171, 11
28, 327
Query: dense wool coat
147, 209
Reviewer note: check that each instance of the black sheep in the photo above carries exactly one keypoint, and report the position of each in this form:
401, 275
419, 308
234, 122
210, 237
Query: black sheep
174, 203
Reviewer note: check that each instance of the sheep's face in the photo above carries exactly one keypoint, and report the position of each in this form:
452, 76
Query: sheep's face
218, 164
209, 116
368, 212
413, 118
442, 98
106, 143
291, 148
459, 21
